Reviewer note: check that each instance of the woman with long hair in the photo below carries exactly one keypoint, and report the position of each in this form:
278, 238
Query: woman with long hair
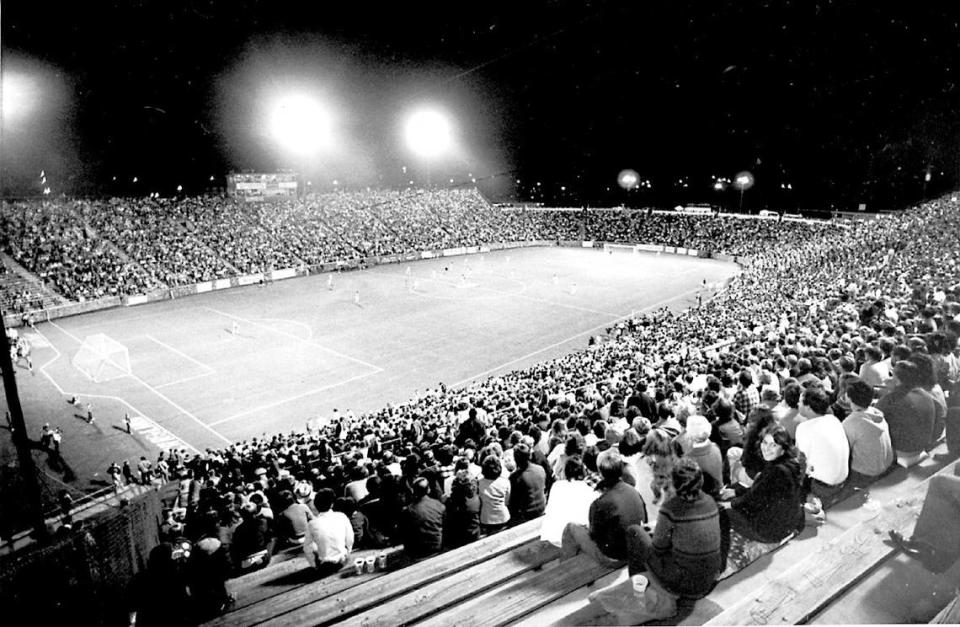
772, 508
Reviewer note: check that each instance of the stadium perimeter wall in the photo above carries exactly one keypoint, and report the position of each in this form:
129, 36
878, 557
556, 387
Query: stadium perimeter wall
73, 309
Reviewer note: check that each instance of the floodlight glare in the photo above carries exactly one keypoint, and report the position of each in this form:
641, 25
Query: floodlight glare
428, 133
628, 179
301, 125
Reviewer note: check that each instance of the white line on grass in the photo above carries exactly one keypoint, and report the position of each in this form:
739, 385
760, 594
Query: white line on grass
185, 379
571, 338
170, 401
123, 401
291, 335
181, 353
292, 398
494, 290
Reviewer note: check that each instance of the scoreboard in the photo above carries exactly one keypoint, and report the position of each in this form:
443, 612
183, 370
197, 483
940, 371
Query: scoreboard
256, 186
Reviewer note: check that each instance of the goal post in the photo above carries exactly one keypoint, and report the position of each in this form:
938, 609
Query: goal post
102, 358
621, 248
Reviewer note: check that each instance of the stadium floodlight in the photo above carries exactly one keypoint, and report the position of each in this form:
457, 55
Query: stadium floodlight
628, 179
301, 124
428, 133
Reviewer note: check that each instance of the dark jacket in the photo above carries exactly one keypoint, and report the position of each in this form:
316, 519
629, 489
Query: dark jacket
462, 524
421, 527
610, 516
528, 497
773, 506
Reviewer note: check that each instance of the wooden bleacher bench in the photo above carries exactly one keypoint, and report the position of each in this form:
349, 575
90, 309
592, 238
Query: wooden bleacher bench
345, 594
459, 587
523, 596
808, 587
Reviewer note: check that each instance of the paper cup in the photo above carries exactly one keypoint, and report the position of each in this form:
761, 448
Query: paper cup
358, 565
371, 564
382, 561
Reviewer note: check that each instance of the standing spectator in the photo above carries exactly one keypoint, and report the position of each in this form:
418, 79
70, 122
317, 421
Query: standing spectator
207, 571
871, 452
421, 523
746, 396
329, 536
143, 467
127, 472
494, 496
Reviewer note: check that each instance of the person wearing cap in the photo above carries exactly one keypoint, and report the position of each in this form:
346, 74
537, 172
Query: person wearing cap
684, 552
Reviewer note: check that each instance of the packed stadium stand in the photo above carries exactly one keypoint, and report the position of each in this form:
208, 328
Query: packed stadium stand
449, 490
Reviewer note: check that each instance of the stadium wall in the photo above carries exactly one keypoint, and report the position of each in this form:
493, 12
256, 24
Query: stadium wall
73, 309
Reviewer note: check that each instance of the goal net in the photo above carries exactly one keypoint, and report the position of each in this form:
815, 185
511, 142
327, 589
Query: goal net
102, 358
621, 248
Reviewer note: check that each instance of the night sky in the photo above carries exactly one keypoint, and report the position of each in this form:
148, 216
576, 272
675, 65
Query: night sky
849, 102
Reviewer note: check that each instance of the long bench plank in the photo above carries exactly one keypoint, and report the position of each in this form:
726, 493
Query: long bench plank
809, 586
303, 606
459, 587
286, 575
527, 594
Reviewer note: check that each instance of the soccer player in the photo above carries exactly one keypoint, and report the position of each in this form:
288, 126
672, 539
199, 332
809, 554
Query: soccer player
90, 417
330, 282
356, 298
235, 328
556, 279
126, 423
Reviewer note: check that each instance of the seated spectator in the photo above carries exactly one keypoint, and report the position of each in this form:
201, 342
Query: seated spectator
207, 570
617, 508
292, 520
329, 536
528, 497
420, 528
910, 414
787, 412
684, 553
253, 540
569, 502
462, 522
772, 508
362, 538
704, 452
824, 444
871, 452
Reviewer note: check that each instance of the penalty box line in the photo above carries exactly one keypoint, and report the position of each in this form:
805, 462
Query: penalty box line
310, 342
157, 392
140, 414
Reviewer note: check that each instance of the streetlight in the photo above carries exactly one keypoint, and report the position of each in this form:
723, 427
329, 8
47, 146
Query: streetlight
743, 181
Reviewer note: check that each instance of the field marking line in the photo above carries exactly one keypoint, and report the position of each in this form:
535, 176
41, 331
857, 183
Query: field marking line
291, 398
309, 329
520, 294
572, 337
170, 401
185, 379
119, 399
292, 336
181, 353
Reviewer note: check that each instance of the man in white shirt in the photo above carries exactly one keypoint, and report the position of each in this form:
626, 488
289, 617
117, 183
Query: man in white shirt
329, 537
823, 441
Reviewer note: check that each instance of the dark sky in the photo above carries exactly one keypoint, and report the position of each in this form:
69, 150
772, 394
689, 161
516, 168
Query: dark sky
847, 101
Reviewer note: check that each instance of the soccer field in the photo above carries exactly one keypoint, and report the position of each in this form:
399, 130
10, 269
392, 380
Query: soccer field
300, 349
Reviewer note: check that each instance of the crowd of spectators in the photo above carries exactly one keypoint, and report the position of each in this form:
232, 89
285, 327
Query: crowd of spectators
90, 249
829, 360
